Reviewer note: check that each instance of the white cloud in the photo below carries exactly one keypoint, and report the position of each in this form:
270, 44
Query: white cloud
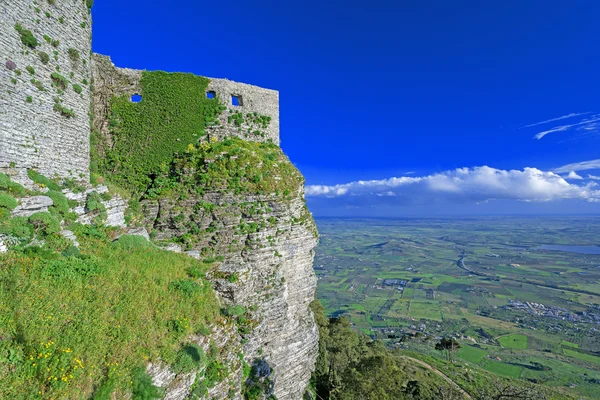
573, 175
470, 185
585, 124
557, 119
594, 177
579, 166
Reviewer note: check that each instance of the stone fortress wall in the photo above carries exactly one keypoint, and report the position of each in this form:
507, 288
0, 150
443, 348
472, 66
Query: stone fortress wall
112, 81
36, 134
34, 130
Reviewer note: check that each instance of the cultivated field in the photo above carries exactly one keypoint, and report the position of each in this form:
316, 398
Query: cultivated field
518, 311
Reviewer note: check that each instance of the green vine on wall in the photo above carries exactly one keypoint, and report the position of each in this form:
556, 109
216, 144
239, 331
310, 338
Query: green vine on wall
146, 136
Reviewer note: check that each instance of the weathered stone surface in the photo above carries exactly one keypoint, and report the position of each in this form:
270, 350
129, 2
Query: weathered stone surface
194, 254
139, 232
71, 236
110, 81
3, 246
253, 99
30, 205
275, 276
32, 134
177, 386
115, 207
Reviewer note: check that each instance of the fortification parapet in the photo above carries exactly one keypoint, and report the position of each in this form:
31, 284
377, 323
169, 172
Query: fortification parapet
249, 99
45, 87
252, 112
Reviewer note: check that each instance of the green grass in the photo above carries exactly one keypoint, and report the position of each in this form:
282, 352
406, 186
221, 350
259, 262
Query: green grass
425, 309
500, 368
569, 344
513, 341
582, 356
71, 323
472, 354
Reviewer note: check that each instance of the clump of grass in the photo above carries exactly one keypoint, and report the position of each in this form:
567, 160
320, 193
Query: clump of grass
38, 85
7, 201
13, 188
44, 57
77, 88
143, 388
27, 37
73, 54
42, 180
59, 80
64, 111
190, 357
131, 242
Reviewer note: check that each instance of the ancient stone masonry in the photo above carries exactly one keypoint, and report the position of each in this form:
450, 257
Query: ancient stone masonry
45, 87
251, 99
237, 120
50, 88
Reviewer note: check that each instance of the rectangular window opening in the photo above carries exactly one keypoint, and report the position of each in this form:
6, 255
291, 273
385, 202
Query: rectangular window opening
236, 100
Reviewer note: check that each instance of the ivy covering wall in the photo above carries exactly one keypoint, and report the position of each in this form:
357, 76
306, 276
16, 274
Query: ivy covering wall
173, 113
159, 145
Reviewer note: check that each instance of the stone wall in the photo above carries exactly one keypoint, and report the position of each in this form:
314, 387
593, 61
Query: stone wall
111, 81
33, 132
252, 99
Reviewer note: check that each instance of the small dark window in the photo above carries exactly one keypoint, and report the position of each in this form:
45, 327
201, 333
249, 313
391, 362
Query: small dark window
236, 100
211, 94
136, 98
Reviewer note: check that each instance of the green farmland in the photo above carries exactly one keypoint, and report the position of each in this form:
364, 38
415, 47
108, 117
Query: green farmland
517, 310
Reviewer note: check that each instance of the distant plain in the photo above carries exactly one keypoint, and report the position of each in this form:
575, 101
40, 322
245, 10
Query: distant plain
520, 310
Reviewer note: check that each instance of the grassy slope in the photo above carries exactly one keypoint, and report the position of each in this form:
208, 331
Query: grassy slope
75, 321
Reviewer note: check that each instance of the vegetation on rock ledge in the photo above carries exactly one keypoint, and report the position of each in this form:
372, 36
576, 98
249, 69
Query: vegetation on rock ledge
71, 318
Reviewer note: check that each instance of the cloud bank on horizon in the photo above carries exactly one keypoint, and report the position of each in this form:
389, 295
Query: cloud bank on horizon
467, 185
583, 123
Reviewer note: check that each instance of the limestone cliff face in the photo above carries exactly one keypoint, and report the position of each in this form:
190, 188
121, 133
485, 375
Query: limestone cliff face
275, 277
266, 240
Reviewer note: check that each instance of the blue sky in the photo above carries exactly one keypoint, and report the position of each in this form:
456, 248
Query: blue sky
441, 107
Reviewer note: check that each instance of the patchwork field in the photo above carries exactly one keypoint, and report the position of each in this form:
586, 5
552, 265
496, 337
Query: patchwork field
517, 310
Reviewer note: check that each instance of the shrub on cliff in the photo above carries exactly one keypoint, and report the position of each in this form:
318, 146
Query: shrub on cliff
42, 180
231, 165
44, 223
61, 204
7, 201
27, 37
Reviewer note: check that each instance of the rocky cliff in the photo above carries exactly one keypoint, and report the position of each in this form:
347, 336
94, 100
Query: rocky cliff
190, 163
231, 193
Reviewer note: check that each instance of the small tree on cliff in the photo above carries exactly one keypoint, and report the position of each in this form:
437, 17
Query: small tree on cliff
449, 345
